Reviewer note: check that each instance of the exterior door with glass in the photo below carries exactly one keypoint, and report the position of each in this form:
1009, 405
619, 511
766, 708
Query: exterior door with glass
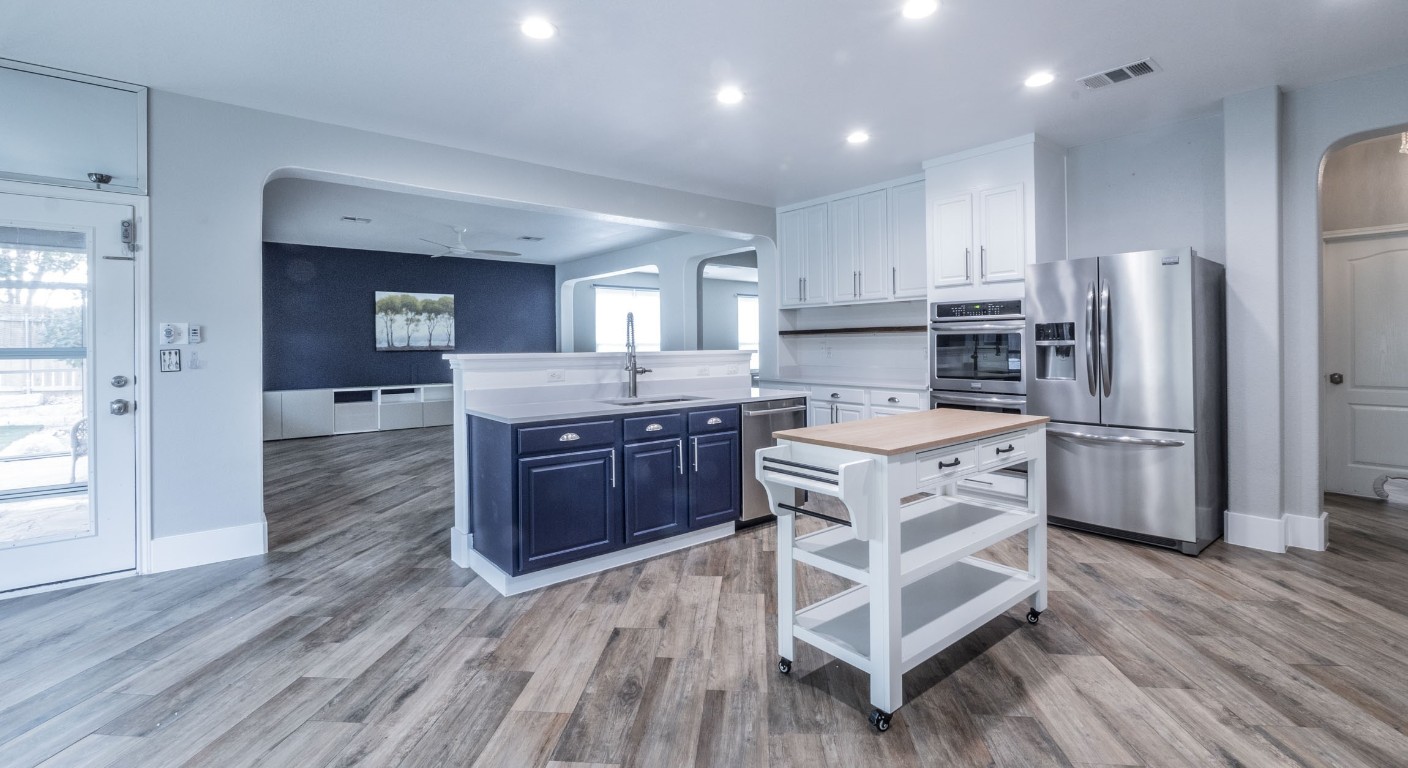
67, 391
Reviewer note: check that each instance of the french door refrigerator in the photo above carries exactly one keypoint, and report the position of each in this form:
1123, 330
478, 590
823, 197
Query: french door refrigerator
1127, 358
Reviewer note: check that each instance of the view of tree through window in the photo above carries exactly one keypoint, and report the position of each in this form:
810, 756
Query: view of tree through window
748, 326
612, 304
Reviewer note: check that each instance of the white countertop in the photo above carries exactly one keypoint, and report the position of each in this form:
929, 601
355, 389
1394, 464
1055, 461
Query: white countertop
520, 413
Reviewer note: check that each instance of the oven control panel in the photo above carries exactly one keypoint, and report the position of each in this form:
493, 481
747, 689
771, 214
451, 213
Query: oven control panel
975, 309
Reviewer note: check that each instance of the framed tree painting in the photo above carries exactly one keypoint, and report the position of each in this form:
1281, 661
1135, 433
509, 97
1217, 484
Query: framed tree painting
414, 322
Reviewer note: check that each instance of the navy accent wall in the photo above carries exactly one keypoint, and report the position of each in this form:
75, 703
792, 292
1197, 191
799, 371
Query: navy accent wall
319, 326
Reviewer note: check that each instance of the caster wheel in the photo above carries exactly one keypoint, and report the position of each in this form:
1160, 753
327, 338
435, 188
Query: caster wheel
1033, 616
881, 720
784, 666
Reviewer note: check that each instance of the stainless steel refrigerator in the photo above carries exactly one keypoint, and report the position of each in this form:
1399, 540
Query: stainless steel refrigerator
1127, 358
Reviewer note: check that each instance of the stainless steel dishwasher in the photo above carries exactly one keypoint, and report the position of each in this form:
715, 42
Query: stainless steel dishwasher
760, 420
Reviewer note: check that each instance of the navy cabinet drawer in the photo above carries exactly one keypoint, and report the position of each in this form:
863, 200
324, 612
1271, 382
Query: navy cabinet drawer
566, 437
654, 427
716, 420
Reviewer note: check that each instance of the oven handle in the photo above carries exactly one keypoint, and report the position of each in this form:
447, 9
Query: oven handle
999, 400
1016, 326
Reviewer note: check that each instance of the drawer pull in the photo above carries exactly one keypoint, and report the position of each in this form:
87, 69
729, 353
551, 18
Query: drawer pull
1008, 449
955, 463
653, 428
894, 399
568, 437
836, 395
714, 420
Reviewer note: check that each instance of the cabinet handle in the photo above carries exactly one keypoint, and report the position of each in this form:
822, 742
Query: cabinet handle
613, 467
653, 428
967, 263
799, 289
804, 289
568, 437
1008, 449
694, 442
955, 463
894, 280
855, 284
894, 399
679, 441
836, 395
983, 261
834, 419
714, 420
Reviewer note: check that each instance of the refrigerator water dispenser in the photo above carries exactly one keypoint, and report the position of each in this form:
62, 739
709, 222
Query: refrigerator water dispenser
1056, 351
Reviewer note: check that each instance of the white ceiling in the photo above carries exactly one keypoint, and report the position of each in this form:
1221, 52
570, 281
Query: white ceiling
625, 90
309, 212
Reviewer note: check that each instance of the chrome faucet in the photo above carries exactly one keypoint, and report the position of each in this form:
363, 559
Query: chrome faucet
631, 367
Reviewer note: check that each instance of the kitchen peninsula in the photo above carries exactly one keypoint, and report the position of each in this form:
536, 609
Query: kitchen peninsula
560, 472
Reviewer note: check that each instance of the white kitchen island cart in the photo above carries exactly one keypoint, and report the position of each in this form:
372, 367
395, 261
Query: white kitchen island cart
904, 535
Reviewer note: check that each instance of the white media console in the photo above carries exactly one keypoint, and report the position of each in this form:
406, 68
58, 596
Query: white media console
313, 412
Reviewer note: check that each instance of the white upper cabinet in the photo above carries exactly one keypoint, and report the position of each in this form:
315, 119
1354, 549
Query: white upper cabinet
993, 211
803, 246
854, 248
858, 255
908, 242
58, 127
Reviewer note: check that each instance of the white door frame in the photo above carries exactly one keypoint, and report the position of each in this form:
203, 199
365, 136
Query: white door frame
1328, 238
141, 205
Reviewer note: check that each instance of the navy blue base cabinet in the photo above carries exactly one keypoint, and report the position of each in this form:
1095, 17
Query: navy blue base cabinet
552, 493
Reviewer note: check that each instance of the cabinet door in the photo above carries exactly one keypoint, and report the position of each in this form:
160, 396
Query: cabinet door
817, 235
1004, 235
872, 258
951, 254
656, 491
818, 414
844, 218
849, 412
715, 480
307, 412
273, 415
568, 508
791, 256
908, 245
877, 411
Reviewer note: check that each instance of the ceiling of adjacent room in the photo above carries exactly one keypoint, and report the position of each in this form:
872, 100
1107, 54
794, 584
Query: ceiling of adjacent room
626, 88
307, 212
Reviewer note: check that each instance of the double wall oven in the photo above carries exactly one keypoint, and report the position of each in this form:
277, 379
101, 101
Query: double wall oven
975, 363
975, 356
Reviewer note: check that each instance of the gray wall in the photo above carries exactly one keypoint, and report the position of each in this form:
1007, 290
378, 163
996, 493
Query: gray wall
1365, 185
584, 305
1160, 188
718, 312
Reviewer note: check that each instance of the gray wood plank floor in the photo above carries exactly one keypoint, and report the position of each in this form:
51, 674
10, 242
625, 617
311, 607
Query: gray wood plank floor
356, 642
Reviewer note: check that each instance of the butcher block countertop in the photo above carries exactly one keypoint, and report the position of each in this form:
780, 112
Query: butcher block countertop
911, 432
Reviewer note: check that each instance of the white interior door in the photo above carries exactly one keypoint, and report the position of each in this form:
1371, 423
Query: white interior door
1365, 355
67, 383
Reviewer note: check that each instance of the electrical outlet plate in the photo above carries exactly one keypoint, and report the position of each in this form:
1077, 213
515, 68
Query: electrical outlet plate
557, 374
170, 360
703, 371
733, 370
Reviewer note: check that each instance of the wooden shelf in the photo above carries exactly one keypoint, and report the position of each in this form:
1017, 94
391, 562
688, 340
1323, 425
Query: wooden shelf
935, 533
936, 610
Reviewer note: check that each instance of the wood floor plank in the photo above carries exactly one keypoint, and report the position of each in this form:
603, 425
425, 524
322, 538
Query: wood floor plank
600, 724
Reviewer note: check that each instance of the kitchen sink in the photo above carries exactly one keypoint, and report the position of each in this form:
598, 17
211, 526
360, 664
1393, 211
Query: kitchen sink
651, 400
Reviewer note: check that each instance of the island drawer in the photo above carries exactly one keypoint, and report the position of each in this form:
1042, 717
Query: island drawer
1002, 448
563, 437
714, 420
652, 427
940, 462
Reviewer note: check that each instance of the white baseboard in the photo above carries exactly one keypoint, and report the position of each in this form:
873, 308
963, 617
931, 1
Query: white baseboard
460, 544
507, 585
1275, 534
169, 553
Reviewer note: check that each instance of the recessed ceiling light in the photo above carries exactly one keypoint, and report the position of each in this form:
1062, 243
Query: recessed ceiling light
918, 9
857, 137
729, 94
538, 28
1039, 79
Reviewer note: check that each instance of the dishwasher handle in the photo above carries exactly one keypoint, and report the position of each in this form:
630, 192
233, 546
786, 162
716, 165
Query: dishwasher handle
770, 411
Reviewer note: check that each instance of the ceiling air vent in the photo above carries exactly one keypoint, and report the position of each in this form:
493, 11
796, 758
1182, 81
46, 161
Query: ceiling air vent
1120, 74
530, 238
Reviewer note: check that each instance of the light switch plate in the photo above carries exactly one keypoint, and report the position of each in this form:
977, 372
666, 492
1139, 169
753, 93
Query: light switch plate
173, 333
170, 360
194, 334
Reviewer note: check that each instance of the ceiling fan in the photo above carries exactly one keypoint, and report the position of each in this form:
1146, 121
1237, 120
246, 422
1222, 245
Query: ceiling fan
460, 249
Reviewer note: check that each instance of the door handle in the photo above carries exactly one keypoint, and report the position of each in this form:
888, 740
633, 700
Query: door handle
1107, 363
120, 407
1337, 378
1090, 326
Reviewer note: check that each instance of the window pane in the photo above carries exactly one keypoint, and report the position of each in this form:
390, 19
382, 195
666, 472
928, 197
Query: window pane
748, 327
43, 298
612, 304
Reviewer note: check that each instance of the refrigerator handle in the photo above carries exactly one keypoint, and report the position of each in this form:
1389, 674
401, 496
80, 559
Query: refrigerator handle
1106, 350
1090, 339
1117, 439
